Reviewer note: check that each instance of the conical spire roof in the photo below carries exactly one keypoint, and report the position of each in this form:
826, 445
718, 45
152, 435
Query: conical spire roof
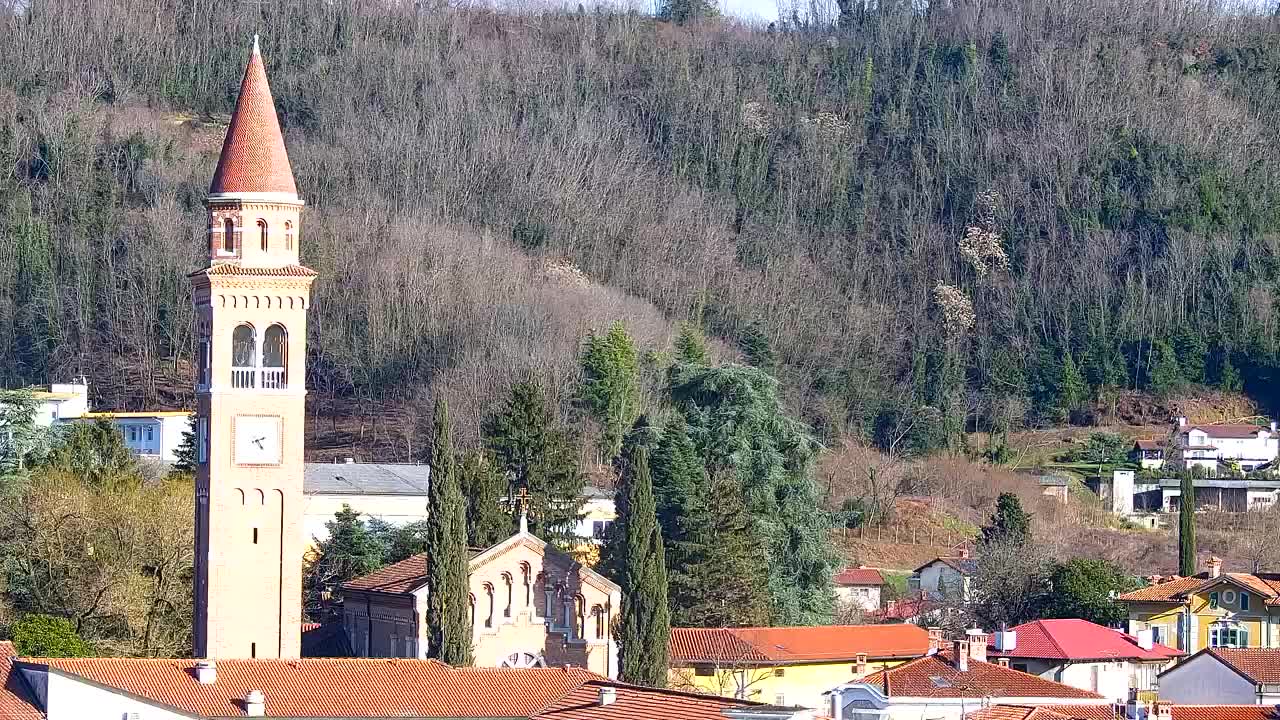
253, 156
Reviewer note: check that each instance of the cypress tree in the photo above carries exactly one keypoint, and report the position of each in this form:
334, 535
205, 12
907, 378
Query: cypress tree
645, 626
448, 612
487, 522
1187, 526
679, 480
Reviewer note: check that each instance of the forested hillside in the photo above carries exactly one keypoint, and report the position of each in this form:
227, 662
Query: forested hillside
995, 210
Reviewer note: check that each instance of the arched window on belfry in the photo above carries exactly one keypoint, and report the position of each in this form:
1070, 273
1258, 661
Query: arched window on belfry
244, 356
275, 355
288, 235
262, 234
228, 236
510, 594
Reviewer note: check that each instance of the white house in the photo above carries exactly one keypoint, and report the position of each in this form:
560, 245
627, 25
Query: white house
948, 686
396, 494
61, 401
859, 587
944, 577
1218, 448
1085, 655
598, 513
1224, 676
150, 435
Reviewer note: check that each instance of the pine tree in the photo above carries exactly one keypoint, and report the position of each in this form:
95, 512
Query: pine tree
448, 608
610, 390
679, 479
538, 455
1187, 526
483, 487
719, 578
1164, 375
644, 625
1010, 524
1072, 390
691, 345
184, 457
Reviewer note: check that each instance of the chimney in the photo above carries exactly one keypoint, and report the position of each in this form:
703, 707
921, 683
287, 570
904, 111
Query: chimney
1164, 710
977, 644
935, 639
860, 667
1214, 566
1146, 639
837, 704
960, 655
1182, 421
206, 672
255, 704
608, 696
1002, 662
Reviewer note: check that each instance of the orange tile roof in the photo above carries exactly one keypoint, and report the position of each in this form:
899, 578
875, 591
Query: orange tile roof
638, 703
1225, 712
1178, 589
230, 268
402, 577
937, 676
253, 156
859, 576
16, 702
346, 687
781, 645
1260, 665
1045, 712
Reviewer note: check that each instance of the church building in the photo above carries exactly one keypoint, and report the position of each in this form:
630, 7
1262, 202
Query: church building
251, 316
531, 606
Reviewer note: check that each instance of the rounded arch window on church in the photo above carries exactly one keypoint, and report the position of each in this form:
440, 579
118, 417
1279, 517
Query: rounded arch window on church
228, 236
262, 234
523, 660
288, 235
244, 350
275, 354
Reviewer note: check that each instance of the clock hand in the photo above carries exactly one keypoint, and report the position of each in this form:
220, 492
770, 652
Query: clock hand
258, 442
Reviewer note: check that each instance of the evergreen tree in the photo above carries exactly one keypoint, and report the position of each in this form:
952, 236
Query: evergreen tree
644, 626
1010, 524
1072, 390
448, 607
45, 636
1164, 374
350, 551
1187, 526
610, 390
718, 577
691, 345
755, 345
739, 426
184, 457
685, 11
1190, 349
538, 455
95, 451
679, 480
483, 486
1085, 588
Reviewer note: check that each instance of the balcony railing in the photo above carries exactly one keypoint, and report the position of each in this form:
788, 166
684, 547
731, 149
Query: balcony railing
267, 378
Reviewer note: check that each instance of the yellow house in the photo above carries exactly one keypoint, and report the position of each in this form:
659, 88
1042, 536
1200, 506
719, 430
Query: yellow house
788, 665
1208, 609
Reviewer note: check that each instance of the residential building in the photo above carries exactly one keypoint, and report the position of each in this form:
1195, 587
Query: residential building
531, 606
787, 665
1048, 712
859, 587
1225, 676
150, 435
949, 685
1128, 711
1085, 655
395, 494
1221, 494
337, 689
250, 323
1148, 454
598, 513
1226, 447
945, 577
1208, 609
61, 401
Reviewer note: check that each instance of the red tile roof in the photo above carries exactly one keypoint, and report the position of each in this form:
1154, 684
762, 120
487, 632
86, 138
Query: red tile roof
402, 577
1238, 431
937, 676
16, 702
253, 156
1261, 665
782, 645
637, 703
1045, 712
228, 268
1225, 712
859, 576
1079, 640
904, 609
348, 687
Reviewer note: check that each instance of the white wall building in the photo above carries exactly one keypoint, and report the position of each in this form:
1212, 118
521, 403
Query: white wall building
1224, 676
944, 577
393, 493
1218, 448
150, 435
859, 587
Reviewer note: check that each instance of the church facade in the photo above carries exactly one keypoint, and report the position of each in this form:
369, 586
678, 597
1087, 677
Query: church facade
531, 606
251, 306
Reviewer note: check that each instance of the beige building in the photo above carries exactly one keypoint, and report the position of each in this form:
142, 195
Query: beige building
531, 606
250, 315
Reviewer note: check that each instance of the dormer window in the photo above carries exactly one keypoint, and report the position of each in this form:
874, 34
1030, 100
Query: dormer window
262, 234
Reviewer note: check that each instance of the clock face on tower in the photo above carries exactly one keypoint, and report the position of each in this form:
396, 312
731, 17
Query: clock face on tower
257, 440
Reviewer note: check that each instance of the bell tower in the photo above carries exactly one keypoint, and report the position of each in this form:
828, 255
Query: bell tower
251, 323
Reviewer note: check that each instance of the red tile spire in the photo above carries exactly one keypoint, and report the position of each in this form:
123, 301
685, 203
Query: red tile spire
253, 156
